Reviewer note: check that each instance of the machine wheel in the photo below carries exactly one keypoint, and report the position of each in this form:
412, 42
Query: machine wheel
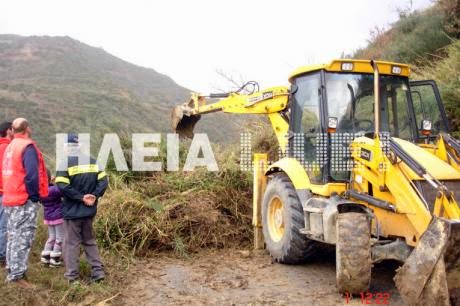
353, 252
282, 218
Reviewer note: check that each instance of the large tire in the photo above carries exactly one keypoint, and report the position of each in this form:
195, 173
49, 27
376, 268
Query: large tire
282, 218
353, 252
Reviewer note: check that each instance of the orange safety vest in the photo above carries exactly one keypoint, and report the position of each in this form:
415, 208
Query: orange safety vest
4, 142
14, 173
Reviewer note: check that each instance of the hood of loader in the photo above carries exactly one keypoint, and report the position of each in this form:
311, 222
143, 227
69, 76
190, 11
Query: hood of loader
433, 164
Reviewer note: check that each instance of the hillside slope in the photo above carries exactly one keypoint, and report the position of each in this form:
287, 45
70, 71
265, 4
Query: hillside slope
417, 35
428, 40
62, 85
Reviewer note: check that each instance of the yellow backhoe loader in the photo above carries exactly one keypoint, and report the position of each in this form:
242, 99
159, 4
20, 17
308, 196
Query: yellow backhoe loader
367, 165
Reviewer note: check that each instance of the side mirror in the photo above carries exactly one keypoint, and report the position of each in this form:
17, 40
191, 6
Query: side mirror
332, 124
427, 126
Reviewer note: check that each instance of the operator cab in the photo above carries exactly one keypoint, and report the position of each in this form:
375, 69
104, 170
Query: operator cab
334, 103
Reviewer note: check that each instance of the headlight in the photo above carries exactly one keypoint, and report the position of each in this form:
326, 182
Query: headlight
426, 125
396, 70
332, 123
347, 66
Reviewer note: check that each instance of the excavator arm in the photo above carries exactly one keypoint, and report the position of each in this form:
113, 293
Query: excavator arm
272, 102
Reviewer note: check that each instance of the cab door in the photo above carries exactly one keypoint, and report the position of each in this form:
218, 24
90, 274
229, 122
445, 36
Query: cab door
427, 105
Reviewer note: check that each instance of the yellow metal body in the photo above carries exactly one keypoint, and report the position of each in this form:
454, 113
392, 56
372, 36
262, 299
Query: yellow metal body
442, 150
380, 179
359, 66
390, 181
393, 182
299, 178
437, 167
259, 184
275, 220
269, 101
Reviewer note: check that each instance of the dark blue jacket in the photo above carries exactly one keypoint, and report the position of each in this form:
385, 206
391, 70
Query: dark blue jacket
30, 162
77, 181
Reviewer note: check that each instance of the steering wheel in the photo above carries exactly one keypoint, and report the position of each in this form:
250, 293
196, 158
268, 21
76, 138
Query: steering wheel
358, 127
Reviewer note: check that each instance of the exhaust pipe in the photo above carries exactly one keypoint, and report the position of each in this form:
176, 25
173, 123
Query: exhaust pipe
376, 98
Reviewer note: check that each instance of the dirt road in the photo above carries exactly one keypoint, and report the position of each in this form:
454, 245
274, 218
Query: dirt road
243, 277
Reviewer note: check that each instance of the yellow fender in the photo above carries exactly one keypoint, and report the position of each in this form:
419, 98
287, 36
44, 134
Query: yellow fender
299, 177
293, 169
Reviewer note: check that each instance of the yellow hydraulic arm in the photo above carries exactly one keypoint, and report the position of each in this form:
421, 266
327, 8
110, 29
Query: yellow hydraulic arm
271, 102
448, 149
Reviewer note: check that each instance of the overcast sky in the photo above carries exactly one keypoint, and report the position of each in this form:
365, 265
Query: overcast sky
190, 40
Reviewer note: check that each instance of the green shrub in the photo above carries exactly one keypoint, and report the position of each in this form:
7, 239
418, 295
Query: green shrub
412, 38
446, 72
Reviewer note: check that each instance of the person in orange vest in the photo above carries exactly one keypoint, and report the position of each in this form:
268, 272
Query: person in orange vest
6, 134
25, 181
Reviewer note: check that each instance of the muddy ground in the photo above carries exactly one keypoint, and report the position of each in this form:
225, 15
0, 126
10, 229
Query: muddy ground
243, 277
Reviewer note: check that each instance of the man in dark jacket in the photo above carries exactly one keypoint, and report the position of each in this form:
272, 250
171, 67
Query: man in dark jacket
81, 185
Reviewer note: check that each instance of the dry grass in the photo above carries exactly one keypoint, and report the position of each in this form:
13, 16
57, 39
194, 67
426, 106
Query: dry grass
182, 212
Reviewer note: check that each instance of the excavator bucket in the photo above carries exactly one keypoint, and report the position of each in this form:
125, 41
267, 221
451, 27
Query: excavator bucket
430, 275
183, 120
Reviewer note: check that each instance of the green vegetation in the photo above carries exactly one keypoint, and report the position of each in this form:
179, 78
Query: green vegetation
416, 36
446, 72
429, 41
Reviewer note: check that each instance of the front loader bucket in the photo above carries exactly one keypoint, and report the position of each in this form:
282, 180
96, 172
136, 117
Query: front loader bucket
452, 259
422, 278
183, 121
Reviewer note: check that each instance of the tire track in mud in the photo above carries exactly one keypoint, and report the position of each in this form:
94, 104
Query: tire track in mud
229, 277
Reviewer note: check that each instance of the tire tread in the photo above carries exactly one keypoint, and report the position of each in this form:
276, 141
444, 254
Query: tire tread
353, 253
297, 248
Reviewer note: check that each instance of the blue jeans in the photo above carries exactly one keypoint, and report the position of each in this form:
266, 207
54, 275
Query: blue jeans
3, 221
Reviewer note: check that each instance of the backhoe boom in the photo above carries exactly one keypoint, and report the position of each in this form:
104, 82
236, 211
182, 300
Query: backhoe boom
270, 102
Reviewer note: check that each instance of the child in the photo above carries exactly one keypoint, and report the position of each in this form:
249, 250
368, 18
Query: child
52, 205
